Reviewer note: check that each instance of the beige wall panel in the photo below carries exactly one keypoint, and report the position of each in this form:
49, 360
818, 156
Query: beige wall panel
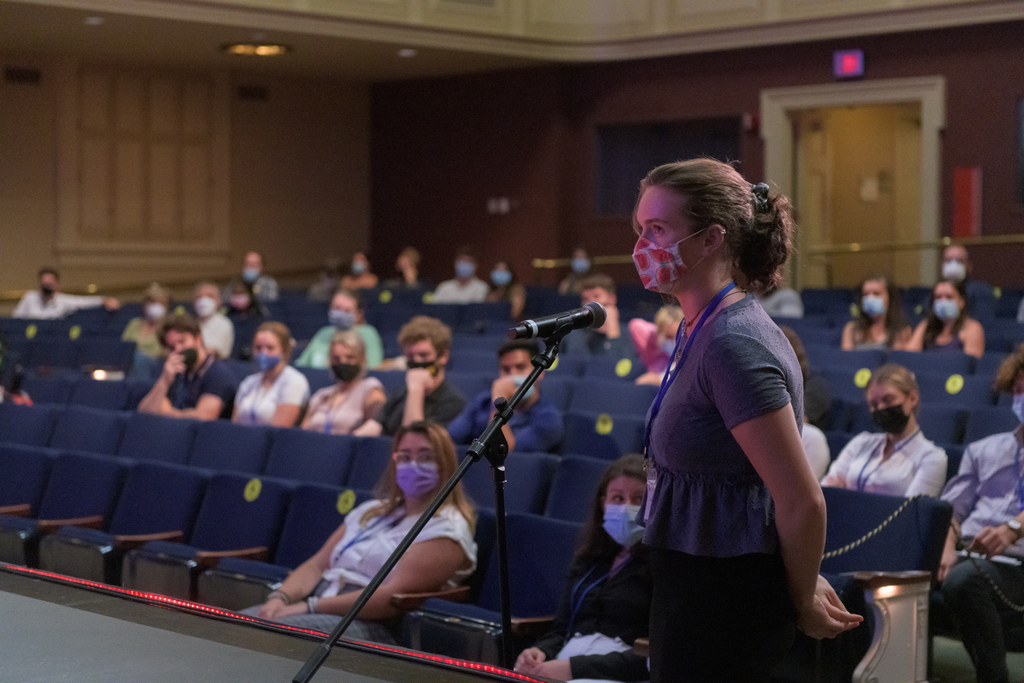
129, 104
405, 11
164, 198
96, 172
195, 193
493, 16
96, 98
809, 9
589, 19
195, 109
693, 15
129, 190
164, 106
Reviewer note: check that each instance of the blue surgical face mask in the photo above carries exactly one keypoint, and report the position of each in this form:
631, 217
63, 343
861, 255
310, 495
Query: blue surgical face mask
358, 267
620, 523
946, 309
343, 320
265, 362
668, 346
464, 269
872, 305
500, 278
518, 381
250, 275
417, 479
580, 265
1018, 406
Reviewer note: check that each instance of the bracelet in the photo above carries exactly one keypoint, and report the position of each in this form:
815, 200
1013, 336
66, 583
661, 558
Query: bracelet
280, 595
311, 604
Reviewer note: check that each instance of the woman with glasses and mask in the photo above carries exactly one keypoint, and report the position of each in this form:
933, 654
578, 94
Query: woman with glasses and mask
275, 395
607, 600
899, 461
323, 588
351, 405
948, 327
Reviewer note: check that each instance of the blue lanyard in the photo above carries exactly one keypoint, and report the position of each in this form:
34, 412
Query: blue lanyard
862, 480
670, 374
1020, 486
332, 413
576, 598
365, 533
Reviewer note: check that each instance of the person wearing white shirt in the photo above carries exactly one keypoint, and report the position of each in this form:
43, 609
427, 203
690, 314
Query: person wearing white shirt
275, 395
900, 461
816, 449
49, 303
465, 288
218, 331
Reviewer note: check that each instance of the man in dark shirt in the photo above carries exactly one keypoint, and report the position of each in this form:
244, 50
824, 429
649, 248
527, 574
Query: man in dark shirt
535, 426
426, 343
193, 383
608, 339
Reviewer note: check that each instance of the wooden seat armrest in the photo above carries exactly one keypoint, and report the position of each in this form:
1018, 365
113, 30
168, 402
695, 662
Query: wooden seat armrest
49, 526
20, 510
530, 626
872, 580
132, 541
410, 601
642, 647
208, 558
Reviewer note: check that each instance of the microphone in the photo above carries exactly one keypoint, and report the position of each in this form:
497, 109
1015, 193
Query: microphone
591, 315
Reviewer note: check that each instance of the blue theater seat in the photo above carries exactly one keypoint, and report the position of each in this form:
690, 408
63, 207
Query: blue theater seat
477, 362
938, 363
847, 383
592, 395
569, 365
478, 342
158, 500
318, 378
602, 435
112, 395
987, 421
528, 477
954, 455
51, 389
54, 352
222, 445
88, 429
988, 364
833, 358
111, 354
310, 457
26, 425
623, 368
967, 390
25, 472
485, 317
558, 389
940, 422
393, 380
837, 442
372, 455
159, 438
137, 390
574, 488
471, 383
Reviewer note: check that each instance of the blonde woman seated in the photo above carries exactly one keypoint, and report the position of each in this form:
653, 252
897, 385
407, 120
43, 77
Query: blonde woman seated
276, 394
324, 587
900, 461
350, 406
655, 342
947, 327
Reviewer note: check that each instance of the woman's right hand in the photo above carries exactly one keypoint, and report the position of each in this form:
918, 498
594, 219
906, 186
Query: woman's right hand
271, 608
826, 617
528, 660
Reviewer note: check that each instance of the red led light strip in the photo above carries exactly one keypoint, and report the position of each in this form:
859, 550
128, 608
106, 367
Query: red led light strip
205, 609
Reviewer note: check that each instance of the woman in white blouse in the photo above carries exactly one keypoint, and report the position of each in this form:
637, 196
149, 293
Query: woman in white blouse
324, 587
900, 461
274, 395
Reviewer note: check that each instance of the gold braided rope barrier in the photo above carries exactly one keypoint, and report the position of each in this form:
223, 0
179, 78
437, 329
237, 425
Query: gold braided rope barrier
874, 532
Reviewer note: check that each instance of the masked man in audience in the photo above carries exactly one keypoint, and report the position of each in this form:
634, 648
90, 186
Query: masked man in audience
263, 286
193, 383
606, 340
988, 509
217, 330
466, 287
536, 424
48, 302
956, 266
426, 343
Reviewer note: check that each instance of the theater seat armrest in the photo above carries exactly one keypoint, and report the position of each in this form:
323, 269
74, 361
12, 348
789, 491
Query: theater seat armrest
132, 541
530, 626
21, 510
410, 601
49, 526
874, 580
208, 558
642, 647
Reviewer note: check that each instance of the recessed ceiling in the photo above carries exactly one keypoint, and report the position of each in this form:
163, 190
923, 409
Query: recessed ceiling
29, 29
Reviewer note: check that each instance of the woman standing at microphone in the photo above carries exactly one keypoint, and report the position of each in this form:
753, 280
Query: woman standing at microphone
734, 517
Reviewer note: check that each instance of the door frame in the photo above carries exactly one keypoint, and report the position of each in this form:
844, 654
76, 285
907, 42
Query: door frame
777, 134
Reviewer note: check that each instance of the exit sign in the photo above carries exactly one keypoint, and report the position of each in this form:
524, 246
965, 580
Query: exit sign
848, 63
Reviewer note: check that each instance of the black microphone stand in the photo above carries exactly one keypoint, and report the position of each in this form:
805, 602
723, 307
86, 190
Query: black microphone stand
492, 445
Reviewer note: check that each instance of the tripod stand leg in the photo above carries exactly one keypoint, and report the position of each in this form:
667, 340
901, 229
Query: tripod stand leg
507, 655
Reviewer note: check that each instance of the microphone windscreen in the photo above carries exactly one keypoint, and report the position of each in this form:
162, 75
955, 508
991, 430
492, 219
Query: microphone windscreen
600, 314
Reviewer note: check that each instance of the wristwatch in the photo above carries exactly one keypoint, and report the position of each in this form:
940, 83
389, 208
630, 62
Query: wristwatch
1014, 526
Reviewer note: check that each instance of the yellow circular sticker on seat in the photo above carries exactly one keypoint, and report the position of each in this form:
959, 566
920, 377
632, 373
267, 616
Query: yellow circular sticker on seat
385, 296
30, 331
604, 424
954, 384
252, 490
854, 310
180, 310
346, 501
623, 367
75, 332
428, 298
861, 378
997, 292
554, 365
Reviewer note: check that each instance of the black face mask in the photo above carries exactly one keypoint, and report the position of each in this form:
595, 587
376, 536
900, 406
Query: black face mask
345, 372
190, 356
891, 420
46, 290
427, 364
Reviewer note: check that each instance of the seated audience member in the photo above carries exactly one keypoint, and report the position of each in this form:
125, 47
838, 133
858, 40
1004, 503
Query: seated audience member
817, 395
323, 588
536, 424
426, 343
360, 276
900, 461
275, 395
987, 518
606, 340
350, 406
784, 302
346, 313
246, 313
218, 331
465, 288
48, 302
193, 383
882, 323
956, 266
328, 281
581, 269
655, 342
408, 266
947, 327
145, 331
262, 287
506, 287
607, 599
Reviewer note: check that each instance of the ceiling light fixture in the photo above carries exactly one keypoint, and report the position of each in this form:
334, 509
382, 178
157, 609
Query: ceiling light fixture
256, 49
407, 52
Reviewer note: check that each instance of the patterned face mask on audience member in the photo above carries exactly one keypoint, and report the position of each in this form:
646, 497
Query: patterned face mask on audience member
946, 309
873, 306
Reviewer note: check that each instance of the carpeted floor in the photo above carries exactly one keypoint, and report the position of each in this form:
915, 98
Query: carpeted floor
952, 665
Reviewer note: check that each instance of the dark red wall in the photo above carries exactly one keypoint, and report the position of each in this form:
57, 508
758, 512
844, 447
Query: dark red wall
441, 147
